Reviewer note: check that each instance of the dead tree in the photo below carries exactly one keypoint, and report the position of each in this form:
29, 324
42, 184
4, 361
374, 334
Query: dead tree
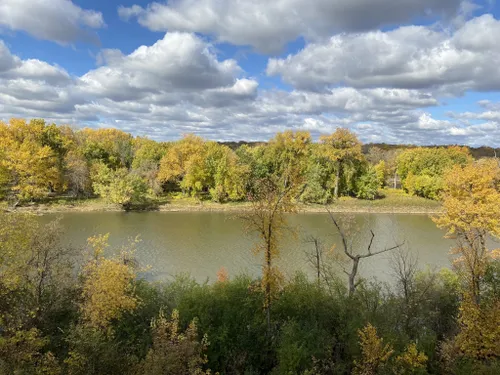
316, 257
355, 257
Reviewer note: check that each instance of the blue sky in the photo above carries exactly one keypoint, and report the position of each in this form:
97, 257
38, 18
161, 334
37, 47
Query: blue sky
395, 71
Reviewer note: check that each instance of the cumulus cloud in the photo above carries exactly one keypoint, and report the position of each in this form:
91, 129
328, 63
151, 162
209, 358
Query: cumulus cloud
178, 62
60, 21
179, 84
411, 57
269, 25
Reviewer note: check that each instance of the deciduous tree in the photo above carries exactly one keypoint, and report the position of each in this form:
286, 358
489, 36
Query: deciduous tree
374, 354
471, 201
342, 148
266, 217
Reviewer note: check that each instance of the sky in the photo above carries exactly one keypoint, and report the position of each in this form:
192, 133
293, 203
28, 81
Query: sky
394, 71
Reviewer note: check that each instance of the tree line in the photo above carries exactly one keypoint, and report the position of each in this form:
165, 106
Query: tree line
64, 311
39, 161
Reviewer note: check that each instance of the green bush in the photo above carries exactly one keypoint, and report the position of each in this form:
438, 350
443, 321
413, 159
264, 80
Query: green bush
367, 185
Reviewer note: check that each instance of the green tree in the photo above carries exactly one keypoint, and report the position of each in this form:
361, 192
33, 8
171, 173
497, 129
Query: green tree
422, 169
367, 185
228, 177
112, 147
119, 186
381, 171
344, 149
287, 154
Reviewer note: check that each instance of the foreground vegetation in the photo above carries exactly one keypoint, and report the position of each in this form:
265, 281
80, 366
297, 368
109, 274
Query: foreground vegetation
67, 313
42, 162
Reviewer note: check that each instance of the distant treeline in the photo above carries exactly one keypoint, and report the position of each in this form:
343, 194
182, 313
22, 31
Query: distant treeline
40, 160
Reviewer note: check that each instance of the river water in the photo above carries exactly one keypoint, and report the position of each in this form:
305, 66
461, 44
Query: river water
199, 243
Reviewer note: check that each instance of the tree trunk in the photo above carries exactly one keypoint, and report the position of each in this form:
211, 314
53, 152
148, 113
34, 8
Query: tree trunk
318, 265
352, 275
268, 280
337, 181
395, 180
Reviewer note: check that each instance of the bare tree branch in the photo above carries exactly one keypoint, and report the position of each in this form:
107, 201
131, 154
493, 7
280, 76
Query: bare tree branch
356, 258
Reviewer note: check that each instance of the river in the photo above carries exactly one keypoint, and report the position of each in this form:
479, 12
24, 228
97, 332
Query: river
199, 243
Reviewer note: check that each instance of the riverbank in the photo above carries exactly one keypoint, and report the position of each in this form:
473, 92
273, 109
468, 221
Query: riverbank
393, 201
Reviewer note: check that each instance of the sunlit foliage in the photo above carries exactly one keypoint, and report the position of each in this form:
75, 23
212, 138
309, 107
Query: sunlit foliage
173, 351
119, 186
374, 354
108, 289
471, 202
344, 150
421, 169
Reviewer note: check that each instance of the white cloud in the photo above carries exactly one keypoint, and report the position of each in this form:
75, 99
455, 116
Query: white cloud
7, 60
179, 84
426, 122
411, 57
269, 25
178, 62
60, 21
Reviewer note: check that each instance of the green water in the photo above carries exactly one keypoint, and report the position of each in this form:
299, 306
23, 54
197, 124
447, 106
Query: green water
199, 243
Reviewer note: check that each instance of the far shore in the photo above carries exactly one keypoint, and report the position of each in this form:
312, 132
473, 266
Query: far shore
391, 204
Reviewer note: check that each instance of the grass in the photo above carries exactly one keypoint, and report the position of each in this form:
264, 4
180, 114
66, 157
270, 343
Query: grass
390, 201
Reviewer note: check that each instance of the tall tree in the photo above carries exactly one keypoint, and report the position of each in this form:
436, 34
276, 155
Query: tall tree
471, 215
287, 155
471, 201
266, 217
342, 148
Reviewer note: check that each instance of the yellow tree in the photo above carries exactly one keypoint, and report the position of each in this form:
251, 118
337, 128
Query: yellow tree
180, 157
33, 271
479, 336
287, 153
342, 148
411, 361
381, 171
374, 354
471, 201
30, 167
108, 289
266, 217
107, 293
471, 214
